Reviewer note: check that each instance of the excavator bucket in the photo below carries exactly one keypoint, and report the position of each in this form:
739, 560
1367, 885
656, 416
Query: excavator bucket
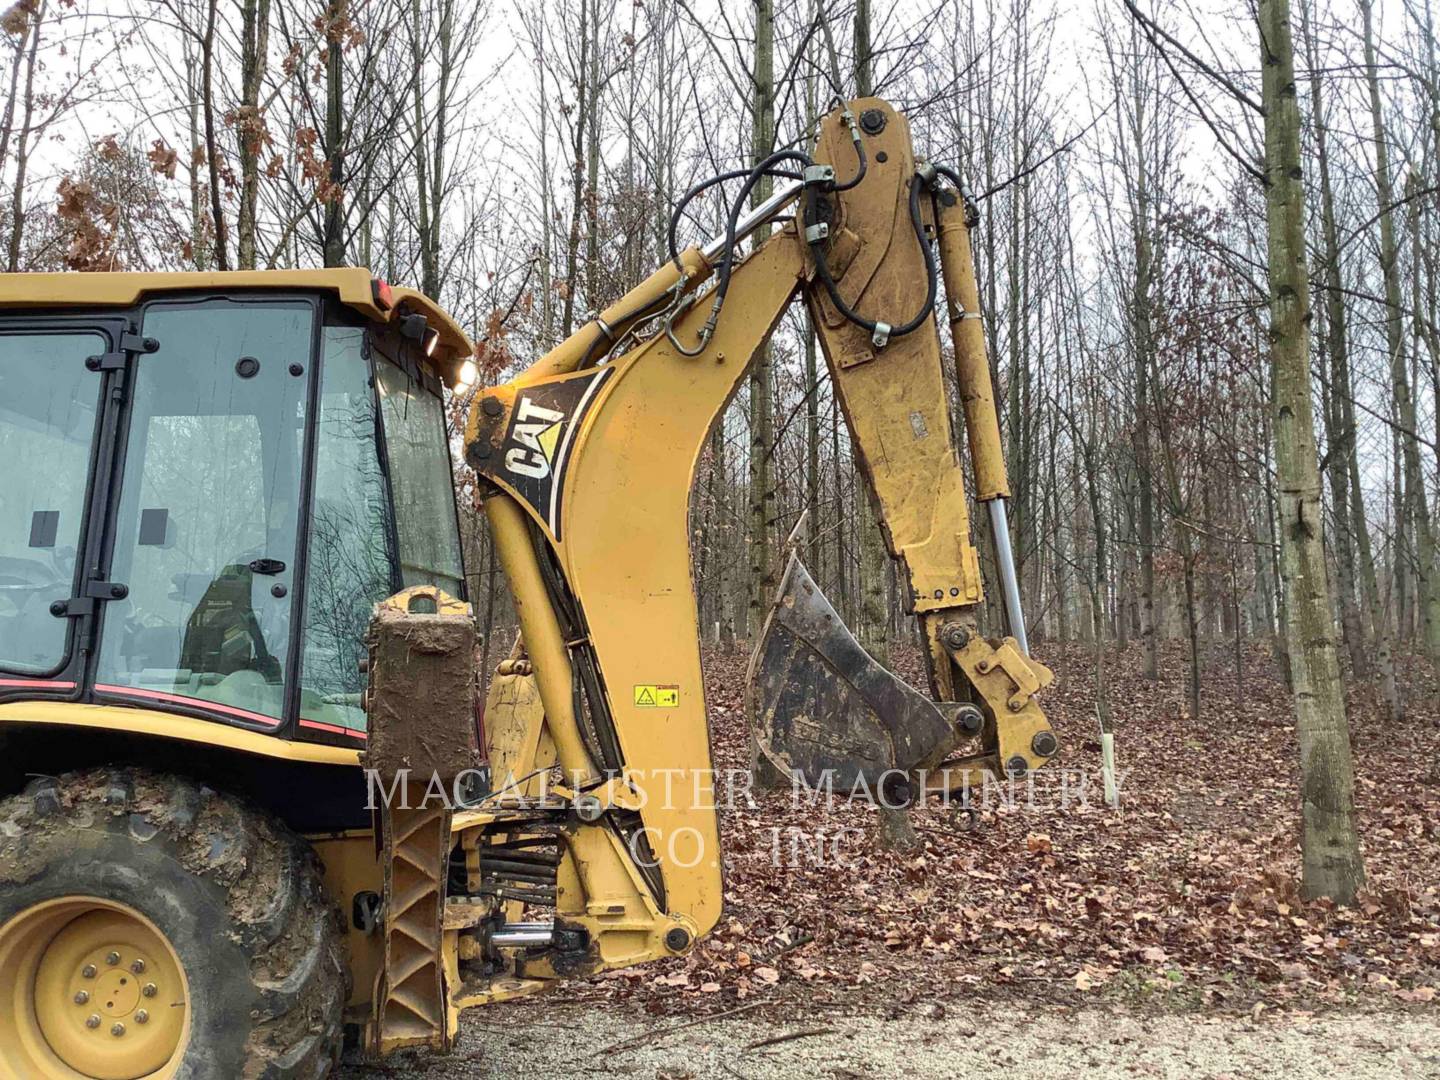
825, 709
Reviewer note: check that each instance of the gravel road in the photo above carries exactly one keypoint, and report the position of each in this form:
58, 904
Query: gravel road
558, 1040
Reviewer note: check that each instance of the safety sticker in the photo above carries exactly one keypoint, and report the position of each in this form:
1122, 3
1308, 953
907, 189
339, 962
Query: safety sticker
656, 696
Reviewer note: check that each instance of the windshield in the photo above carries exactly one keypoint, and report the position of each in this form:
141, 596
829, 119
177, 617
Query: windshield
205, 537
47, 420
418, 454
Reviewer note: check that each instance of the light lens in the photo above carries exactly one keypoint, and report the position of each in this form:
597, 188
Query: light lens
468, 373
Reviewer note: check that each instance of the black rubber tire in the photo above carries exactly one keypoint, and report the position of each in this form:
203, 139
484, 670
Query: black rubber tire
239, 896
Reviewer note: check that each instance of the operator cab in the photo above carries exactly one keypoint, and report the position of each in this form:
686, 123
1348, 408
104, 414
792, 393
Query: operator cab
208, 480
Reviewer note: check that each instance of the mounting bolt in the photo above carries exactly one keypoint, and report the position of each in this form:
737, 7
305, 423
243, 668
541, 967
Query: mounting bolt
117, 1029
1045, 744
112, 959
677, 939
956, 636
588, 808
92, 1021
1016, 767
141, 1016
491, 406
872, 121
88, 971
150, 990
137, 966
969, 719
81, 997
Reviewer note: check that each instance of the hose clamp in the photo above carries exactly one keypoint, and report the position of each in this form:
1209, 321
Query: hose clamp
820, 176
881, 336
814, 234
929, 175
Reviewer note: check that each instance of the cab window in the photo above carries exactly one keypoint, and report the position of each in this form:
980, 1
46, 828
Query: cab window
422, 485
205, 535
47, 423
350, 564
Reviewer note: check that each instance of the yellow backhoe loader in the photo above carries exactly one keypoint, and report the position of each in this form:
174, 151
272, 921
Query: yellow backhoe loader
250, 808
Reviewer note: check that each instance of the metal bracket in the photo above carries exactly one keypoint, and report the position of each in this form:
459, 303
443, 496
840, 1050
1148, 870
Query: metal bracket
817, 232
130, 344
822, 176
91, 593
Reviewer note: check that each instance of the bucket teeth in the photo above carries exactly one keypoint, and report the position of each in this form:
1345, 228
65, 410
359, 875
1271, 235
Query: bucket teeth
822, 707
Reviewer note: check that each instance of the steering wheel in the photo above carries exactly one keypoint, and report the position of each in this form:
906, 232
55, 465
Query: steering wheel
21, 580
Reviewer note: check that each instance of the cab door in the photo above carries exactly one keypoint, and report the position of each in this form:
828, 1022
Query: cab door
208, 516
61, 384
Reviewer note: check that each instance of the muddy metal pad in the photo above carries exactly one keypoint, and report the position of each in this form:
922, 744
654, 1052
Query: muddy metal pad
819, 703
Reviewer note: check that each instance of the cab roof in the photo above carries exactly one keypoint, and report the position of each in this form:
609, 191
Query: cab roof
353, 286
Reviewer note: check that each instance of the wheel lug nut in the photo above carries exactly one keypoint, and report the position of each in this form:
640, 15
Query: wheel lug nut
113, 959
150, 990
141, 1016
137, 966
117, 1030
92, 1021
81, 997
88, 971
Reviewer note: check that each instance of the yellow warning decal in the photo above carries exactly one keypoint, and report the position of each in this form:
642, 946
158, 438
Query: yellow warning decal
656, 696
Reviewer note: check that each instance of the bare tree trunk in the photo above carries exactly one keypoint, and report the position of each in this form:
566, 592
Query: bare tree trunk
419, 30
1341, 439
333, 243
7, 115
719, 502
446, 44
762, 483
1145, 474
1428, 580
199, 233
22, 142
874, 565
864, 61
585, 98
212, 142
1331, 846
592, 173
842, 552
250, 125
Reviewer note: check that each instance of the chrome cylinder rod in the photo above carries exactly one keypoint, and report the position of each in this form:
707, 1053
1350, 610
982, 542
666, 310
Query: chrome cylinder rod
523, 935
1005, 562
784, 195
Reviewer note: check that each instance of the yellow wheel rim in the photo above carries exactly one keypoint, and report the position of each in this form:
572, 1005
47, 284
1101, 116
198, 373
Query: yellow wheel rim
92, 990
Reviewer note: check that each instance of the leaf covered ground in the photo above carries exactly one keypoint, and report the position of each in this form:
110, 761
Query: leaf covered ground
1186, 896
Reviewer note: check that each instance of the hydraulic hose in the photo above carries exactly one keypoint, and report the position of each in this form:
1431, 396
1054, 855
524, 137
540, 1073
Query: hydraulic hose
822, 268
881, 332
